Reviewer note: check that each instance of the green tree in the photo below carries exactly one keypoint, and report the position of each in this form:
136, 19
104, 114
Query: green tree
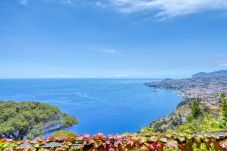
31, 119
223, 110
196, 111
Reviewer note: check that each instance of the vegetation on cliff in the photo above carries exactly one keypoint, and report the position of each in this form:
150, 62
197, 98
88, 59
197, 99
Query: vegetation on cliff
197, 120
205, 91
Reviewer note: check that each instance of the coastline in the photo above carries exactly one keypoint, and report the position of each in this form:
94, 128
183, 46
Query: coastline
206, 89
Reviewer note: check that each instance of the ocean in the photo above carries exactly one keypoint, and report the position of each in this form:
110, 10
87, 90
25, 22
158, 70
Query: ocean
109, 106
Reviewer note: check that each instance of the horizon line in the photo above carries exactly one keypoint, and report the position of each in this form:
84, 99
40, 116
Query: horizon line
24, 78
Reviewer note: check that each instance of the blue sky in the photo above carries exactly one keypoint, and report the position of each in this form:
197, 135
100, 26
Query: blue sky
111, 38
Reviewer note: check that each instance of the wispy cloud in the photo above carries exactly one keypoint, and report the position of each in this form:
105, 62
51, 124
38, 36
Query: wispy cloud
23, 2
59, 76
105, 50
169, 8
101, 48
224, 65
108, 50
160, 8
115, 76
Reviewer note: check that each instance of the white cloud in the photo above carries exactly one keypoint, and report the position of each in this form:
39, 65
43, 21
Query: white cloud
100, 48
59, 76
23, 2
161, 8
115, 76
109, 51
224, 65
169, 8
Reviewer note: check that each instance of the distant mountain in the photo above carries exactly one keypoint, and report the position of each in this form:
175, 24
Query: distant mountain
221, 73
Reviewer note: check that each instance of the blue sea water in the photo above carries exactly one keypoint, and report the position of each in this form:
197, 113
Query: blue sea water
109, 106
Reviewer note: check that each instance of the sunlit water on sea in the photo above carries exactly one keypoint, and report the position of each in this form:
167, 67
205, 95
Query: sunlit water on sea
110, 106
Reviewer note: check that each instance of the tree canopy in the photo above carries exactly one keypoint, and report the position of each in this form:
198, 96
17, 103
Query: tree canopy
196, 111
31, 119
223, 109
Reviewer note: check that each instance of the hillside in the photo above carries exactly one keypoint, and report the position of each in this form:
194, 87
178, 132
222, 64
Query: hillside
221, 73
204, 86
201, 85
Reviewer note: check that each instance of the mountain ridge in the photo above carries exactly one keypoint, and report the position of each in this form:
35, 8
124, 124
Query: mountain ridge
215, 74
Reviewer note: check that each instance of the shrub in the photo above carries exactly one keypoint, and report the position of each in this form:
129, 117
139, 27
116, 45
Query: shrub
64, 134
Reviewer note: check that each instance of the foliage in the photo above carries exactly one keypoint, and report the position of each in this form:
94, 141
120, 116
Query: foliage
207, 124
166, 123
7, 144
4, 146
223, 110
195, 110
64, 134
31, 119
201, 121
130, 142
